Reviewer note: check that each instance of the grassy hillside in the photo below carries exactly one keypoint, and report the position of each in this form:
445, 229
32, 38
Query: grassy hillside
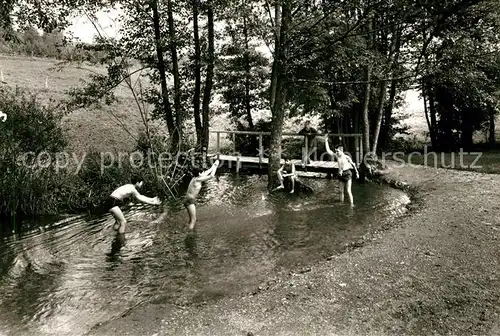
86, 128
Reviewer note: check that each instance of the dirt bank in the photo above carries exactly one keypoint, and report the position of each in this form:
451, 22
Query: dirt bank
437, 272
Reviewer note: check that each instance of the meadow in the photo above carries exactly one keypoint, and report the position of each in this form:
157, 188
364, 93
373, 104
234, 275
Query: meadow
86, 129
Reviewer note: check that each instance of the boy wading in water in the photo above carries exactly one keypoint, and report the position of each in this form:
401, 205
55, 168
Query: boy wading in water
345, 165
287, 170
118, 198
194, 188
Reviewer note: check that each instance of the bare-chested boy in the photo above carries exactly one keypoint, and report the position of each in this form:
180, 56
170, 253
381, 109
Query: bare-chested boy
287, 170
118, 198
345, 164
194, 188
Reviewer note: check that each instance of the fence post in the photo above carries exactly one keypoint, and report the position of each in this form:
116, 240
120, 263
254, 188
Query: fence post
238, 164
261, 150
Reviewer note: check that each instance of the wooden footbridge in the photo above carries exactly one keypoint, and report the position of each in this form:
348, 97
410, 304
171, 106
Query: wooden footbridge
319, 162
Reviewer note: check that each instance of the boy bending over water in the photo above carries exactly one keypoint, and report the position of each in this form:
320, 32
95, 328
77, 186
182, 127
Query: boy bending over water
119, 197
345, 165
194, 188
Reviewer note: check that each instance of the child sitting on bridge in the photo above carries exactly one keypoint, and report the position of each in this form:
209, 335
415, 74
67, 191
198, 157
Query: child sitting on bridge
194, 188
345, 164
287, 170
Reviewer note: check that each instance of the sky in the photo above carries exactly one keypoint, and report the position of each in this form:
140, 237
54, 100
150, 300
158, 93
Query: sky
84, 30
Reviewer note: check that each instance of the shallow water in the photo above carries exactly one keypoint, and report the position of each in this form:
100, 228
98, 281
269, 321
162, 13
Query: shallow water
75, 273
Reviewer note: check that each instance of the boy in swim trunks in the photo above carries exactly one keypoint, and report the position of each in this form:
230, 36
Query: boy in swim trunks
287, 170
345, 165
194, 188
117, 199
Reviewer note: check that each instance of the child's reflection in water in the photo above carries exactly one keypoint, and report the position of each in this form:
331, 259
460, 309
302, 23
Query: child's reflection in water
116, 246
190, 243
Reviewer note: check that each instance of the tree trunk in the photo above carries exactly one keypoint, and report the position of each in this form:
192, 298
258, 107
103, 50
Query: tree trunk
386, 112
278, 108
277, 33
491, 137
175, 70
356, 120
197, 75
366, 100
386, 124
380, 114
167, 110
426, 112
366, 105
433, 118
467, 130
247, 75
210, 74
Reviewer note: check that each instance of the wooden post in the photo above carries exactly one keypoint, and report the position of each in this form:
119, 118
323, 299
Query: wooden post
261, 150
238, 164
1, 76
218, 145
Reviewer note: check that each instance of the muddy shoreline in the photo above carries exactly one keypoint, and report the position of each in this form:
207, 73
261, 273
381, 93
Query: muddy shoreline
434, 271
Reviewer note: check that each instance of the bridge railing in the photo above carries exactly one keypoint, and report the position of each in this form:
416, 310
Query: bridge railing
357, 141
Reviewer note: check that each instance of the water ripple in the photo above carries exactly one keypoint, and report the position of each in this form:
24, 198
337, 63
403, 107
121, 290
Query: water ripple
71, 274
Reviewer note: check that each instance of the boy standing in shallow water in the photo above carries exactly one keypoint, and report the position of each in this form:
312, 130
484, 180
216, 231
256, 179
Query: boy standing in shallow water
345, 165
118, 198
194, 188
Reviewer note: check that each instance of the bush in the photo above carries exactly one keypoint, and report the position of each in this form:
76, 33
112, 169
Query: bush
30, 129
406, 144
30, 185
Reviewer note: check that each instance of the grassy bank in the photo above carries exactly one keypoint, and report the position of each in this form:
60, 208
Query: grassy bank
481, 162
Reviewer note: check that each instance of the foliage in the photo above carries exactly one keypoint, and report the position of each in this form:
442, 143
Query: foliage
31, 133
463, 77
29, 126
242, 68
